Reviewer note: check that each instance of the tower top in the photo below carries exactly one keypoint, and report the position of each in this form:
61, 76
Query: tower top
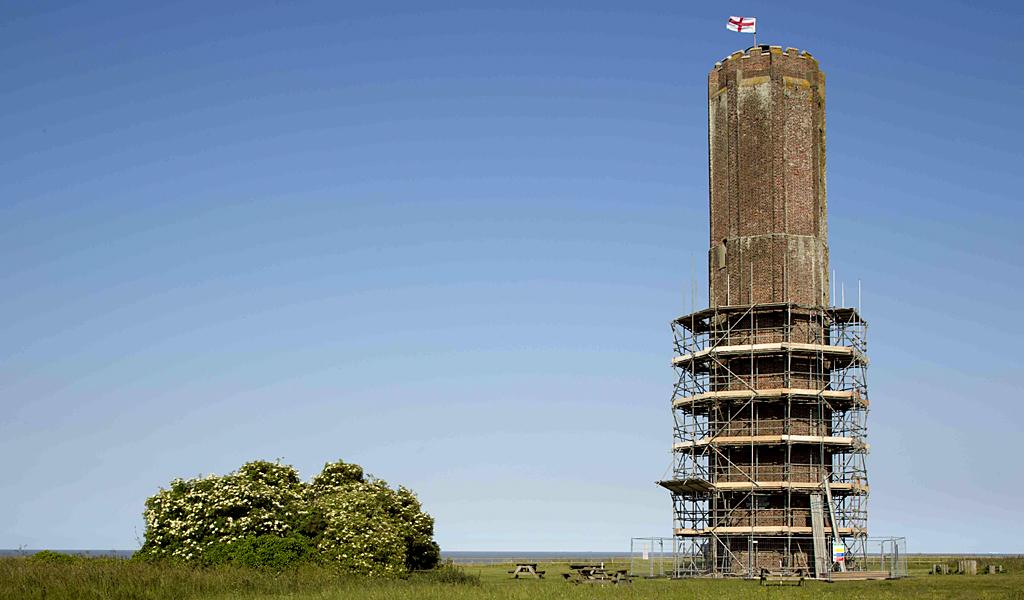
764, 49
766, 155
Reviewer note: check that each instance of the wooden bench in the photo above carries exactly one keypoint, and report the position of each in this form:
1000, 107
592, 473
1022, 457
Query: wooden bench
858, 576
596, 574
527, 569
781, 577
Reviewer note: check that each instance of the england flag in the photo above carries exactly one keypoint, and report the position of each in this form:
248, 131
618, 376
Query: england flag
742, 24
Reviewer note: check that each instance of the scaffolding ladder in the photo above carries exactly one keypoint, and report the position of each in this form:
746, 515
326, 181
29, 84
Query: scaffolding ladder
821, 559
835, 525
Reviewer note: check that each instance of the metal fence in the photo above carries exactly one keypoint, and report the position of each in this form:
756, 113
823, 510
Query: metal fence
745, 558
652, 557
887, 554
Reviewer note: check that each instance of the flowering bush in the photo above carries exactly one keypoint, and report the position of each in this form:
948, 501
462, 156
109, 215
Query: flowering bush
341, 517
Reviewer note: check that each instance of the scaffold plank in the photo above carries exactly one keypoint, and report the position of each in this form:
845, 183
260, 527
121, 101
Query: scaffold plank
693, 485
764, 530
769, 348
690, 485
844, 397
702, 319
739, 440
796, 486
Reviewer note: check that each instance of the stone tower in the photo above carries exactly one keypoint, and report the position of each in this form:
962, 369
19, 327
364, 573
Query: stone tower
771, 402
766, 144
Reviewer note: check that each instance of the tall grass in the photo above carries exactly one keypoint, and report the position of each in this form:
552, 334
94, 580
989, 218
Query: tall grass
103, 579
112, 579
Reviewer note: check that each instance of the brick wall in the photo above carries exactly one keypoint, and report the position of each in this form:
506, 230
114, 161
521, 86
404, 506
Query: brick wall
769, 237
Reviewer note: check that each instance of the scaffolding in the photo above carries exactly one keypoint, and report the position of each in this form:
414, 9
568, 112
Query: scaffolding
770, 412
882, 557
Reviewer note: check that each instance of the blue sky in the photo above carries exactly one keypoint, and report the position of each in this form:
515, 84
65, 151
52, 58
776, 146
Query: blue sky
445, 240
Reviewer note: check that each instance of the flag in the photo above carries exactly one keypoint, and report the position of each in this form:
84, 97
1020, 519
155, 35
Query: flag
742, 24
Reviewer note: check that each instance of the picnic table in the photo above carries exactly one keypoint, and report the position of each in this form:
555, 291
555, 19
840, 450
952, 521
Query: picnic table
528, 569
596, 574
783, 577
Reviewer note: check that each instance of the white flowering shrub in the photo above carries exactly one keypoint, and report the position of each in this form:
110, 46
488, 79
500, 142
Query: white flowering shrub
342, 517
359, 532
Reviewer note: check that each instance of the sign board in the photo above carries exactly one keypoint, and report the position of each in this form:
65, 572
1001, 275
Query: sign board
838, 553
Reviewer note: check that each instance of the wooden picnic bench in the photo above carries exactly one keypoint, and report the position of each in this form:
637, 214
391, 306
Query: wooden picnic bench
527, 569
596, 574
769, 577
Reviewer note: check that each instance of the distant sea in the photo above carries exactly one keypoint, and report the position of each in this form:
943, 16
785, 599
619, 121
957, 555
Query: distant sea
94, 553
463, 557
466, 557
481, 557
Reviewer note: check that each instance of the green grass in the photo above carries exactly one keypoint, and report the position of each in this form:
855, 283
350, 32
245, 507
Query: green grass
117, 579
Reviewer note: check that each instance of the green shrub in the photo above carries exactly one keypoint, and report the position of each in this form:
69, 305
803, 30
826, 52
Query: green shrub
270, 552
361, 534
422, 554
49, 556
335, 476
264, 516
448, 573
183, 521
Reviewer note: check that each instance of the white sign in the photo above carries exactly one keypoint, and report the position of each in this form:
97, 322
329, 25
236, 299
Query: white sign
838, 553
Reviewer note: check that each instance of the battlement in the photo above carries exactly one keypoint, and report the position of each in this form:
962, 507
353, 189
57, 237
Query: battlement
764, 50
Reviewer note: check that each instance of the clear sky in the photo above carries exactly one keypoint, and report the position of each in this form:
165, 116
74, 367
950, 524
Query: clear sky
444, 240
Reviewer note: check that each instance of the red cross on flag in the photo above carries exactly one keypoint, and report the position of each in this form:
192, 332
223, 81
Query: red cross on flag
742, 24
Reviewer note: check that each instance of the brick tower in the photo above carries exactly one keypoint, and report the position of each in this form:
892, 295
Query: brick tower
771, 401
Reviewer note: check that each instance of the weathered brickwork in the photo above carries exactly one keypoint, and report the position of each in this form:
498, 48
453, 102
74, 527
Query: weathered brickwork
769, 237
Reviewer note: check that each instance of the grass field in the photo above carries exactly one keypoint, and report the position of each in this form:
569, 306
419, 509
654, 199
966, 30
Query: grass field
116, 579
